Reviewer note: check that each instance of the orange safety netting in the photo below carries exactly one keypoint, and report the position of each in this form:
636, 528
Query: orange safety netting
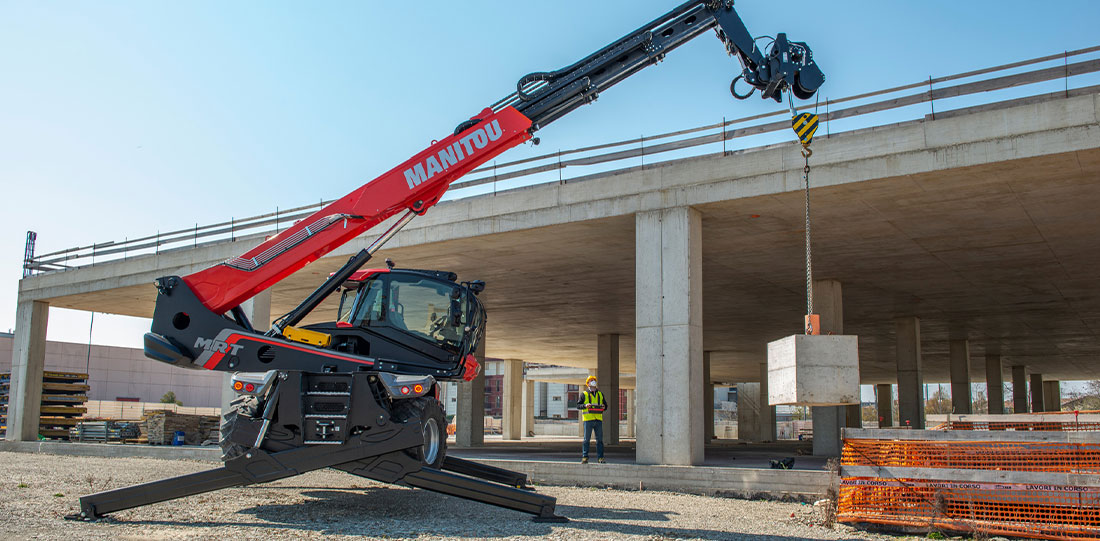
1037, 511
975, 455
1027, 510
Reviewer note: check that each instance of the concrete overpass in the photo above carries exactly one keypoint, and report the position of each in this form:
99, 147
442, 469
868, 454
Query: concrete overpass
939, 243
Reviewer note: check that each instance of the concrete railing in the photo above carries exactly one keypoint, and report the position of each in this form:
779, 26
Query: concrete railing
927, 99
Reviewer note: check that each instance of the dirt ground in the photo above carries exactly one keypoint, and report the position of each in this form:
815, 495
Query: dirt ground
37, 490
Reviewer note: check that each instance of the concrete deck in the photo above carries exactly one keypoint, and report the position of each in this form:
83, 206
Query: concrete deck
978, 223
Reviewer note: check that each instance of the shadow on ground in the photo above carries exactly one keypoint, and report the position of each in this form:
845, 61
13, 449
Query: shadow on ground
386, 511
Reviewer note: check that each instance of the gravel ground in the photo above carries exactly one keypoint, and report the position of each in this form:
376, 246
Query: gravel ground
36, 491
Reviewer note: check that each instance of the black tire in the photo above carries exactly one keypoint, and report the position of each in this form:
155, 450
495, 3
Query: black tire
433, 424
243, 406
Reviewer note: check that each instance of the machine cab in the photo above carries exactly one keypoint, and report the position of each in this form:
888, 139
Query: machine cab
421, 321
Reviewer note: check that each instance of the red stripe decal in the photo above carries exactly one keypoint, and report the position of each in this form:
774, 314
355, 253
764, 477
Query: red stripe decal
234, 338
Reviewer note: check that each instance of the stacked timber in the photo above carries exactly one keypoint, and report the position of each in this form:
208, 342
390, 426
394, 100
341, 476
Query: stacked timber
160, 427
63, 398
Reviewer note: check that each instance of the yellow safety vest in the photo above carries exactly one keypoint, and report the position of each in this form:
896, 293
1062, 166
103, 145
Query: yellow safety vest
592, 398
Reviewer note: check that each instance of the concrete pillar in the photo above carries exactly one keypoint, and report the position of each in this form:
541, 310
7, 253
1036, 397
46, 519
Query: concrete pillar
470, 413
512, 401
910, 373
828, 420
607, 374
631, 413
767, 413
885, 405
1019, 389
28, 364
528, 408
1037, 402
961, 402
1052, 396
708, 400
748, 412
669, 336
258, 311
994, 383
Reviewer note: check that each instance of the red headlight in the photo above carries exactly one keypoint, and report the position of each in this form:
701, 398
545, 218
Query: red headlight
405, 389
248, 388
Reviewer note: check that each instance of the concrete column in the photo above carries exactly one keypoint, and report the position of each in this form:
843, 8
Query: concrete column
748, 412
528, 408
669, 336
258, 311
470, 413
994, 383
1052, 396
607, 374
708, 400
1019, 389
828, 420
910, 373
512, 401
885, 405
631, 413
1037, 402
961, 401
767, 413
28, 362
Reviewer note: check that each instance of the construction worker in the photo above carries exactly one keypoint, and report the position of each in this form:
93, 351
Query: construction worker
592, 406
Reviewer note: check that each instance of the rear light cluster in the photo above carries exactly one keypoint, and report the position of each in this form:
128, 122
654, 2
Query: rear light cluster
241, 386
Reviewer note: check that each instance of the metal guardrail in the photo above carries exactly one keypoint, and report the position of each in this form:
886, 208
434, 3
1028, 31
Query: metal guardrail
533, 170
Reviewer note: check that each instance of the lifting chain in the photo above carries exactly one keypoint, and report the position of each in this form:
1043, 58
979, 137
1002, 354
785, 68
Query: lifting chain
806, 153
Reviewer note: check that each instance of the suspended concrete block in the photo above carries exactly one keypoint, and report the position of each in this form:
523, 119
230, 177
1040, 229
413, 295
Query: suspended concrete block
813, 370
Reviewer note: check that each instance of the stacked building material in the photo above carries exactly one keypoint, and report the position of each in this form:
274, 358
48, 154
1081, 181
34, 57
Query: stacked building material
161, 427
104, 432
63, 398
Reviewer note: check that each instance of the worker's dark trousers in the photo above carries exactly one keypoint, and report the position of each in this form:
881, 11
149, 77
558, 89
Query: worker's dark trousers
589, 428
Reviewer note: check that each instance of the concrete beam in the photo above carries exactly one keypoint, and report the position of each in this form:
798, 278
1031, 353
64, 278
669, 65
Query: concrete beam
669, 335
28, 364
828, 420
512, 403
994, 382
885, 405
910, 372
1019, 389
1052, 396
470, 410
961, 400
1037, 402
607, 374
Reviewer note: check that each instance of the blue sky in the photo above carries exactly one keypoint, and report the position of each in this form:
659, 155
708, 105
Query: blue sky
120, 119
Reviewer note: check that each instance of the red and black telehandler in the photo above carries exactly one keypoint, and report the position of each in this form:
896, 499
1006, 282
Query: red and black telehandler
360, 394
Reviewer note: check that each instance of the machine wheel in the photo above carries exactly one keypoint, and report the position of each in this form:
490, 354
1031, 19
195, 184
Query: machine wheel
241, 406
433, 424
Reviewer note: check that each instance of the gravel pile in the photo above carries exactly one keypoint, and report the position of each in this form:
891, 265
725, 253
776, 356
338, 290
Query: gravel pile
36, 491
